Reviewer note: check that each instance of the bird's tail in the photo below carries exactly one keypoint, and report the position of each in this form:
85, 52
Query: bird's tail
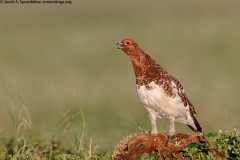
199, 128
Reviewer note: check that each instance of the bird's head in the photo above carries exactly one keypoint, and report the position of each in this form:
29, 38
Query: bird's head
127, 45
138, 57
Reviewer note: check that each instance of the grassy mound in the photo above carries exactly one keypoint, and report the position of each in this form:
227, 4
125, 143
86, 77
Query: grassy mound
182, 145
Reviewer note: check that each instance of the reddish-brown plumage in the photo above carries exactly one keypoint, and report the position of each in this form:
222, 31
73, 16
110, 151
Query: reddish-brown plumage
147, 71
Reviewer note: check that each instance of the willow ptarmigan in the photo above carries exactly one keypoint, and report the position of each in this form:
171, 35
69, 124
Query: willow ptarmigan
160, 93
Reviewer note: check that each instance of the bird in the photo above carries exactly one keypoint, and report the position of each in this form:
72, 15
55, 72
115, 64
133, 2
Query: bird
160, 93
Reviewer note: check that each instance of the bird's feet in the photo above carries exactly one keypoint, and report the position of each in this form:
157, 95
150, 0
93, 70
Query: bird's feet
154, 132
171, 133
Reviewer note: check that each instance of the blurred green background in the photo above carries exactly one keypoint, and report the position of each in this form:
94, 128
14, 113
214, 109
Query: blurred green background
61, 58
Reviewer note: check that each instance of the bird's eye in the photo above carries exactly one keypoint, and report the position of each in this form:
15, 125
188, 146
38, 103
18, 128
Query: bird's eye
127, 43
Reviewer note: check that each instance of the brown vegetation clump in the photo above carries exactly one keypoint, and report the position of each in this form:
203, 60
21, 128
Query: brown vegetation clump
134, 146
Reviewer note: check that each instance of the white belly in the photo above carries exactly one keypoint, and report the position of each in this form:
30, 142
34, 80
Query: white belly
156, 99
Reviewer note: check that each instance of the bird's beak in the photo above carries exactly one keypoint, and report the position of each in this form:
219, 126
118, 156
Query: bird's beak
119, 45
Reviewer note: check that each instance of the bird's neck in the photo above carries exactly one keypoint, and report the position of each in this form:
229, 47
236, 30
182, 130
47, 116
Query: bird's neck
141, 62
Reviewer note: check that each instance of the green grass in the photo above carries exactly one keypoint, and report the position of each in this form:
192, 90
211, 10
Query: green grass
46, 150
60, 58
23, 146
220, 145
